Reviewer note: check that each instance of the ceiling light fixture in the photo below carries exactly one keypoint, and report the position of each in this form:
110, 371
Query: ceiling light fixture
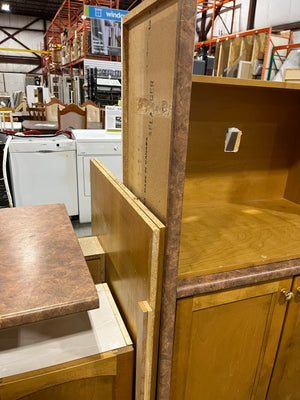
5, 7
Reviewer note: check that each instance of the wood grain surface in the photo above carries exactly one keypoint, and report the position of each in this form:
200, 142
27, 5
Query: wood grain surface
108, 375
157, 72
132, 238
285, 379
225, 343
220, 237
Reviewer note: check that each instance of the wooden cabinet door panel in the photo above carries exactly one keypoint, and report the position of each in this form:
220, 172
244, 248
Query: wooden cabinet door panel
285, 383
225, 343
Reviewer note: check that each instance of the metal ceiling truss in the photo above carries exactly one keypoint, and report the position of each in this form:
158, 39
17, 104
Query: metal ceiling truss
7, 59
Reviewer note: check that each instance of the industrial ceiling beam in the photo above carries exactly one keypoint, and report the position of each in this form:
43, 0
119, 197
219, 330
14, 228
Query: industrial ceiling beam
19, 60
291, 26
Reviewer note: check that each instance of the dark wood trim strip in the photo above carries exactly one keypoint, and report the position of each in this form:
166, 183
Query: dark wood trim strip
237, 278
186, 21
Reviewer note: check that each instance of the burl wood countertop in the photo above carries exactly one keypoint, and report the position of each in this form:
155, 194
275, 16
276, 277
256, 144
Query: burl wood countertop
43, 273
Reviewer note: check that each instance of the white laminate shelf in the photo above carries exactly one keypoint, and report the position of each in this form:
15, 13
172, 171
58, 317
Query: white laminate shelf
59, 340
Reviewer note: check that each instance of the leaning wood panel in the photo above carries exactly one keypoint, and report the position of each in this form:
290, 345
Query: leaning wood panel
157, 69
132, 238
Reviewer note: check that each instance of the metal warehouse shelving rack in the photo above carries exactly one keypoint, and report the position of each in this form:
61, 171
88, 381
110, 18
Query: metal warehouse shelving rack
71, 16
215, 6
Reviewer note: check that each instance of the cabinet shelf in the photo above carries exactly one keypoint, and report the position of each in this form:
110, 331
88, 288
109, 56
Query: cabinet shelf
225, 236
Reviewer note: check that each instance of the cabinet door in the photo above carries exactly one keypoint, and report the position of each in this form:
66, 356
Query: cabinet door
285, 383
226, 343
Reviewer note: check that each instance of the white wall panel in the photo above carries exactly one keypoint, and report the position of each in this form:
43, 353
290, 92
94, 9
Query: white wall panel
32, 40
276, 12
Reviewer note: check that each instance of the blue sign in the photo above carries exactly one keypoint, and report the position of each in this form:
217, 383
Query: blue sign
104, 13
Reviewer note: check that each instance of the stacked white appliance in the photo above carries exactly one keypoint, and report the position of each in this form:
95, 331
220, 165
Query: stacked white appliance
106, 147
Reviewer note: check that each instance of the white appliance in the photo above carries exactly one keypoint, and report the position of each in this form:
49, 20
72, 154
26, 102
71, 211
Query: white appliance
43, 171
95, 144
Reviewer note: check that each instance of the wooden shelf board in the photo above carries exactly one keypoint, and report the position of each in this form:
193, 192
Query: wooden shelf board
244, 82
219, 237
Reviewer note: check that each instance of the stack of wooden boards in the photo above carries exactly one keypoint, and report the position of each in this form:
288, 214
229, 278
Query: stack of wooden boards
248, 55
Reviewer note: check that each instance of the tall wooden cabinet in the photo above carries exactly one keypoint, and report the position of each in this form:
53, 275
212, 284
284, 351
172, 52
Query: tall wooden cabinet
228, 320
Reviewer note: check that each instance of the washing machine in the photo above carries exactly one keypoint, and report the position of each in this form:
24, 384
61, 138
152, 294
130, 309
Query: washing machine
106, 147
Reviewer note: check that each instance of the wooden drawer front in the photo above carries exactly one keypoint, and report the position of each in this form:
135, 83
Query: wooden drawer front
109, 375
225, 343
80, 356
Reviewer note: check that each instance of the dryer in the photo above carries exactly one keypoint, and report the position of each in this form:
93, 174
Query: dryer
106, 147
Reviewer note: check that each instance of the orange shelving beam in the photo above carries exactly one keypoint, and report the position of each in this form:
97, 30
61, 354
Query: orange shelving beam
215, 6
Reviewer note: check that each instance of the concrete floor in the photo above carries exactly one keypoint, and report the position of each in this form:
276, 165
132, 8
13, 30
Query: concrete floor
81, 229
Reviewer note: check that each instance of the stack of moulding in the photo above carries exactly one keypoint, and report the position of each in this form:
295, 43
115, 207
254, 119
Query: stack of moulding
81, 44
67, 53
57, 56
88, 41
76, 45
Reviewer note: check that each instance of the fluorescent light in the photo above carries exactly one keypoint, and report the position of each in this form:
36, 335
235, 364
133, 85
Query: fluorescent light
5, 7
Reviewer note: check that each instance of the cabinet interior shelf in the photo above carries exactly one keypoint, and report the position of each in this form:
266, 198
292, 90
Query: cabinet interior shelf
241, 209
226, 236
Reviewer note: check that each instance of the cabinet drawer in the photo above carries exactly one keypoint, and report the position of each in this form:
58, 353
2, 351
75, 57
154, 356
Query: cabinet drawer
87, 354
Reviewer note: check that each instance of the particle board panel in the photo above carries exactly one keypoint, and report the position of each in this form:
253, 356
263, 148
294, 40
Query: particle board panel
291, 75
133, 239
91, 248
247, 46
234, 51
94, 256
149, 46
223, 57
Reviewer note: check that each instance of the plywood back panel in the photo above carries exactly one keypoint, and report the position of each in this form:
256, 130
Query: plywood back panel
259, 170
132, 238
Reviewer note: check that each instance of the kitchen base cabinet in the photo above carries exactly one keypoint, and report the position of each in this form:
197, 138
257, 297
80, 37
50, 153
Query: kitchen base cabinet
80, 356
285, 383
226, 343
